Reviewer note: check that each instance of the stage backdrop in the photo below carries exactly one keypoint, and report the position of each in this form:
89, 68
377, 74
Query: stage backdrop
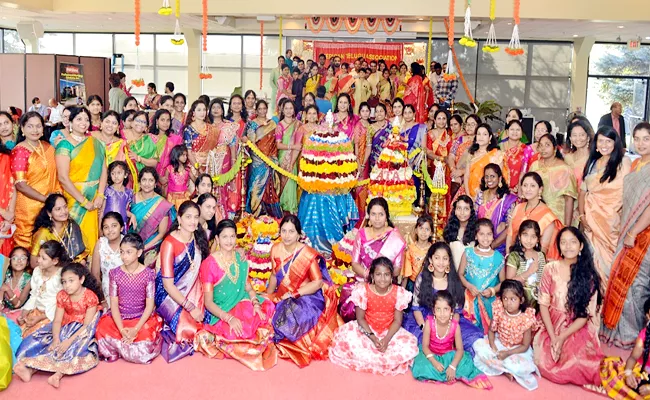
392, 53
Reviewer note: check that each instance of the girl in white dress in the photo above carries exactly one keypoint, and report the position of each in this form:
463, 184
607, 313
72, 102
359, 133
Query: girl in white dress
106, 255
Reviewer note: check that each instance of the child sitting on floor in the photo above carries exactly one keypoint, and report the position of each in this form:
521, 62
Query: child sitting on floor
416, 251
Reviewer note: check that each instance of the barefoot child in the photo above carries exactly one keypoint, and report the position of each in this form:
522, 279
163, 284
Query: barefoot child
507, 350
67, 346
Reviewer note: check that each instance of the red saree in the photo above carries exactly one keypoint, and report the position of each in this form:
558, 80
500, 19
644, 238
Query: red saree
415, 96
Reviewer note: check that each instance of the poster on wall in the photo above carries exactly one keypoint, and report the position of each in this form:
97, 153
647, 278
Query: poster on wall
392, 53
72, 89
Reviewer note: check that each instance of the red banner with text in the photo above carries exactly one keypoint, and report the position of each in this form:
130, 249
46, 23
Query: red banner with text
392, 53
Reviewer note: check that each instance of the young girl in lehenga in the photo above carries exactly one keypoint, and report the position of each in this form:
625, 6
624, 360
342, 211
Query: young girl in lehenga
178, 175
510, 352
630, 380
526, 261
387, 348
67, 346
416, 251
15, 291
442, 358
131, 330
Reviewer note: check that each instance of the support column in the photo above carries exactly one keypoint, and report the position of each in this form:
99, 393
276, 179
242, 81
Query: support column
193, 40
29, 32
579, 71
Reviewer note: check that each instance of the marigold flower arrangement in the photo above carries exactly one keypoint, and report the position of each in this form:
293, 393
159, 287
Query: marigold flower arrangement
340, 265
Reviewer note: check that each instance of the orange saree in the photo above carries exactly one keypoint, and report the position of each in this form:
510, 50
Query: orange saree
477, 165
544, 217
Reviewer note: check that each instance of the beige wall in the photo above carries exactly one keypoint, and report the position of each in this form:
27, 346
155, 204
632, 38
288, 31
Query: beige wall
12, 81
39, 80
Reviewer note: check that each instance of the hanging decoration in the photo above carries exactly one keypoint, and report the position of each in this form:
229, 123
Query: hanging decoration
371, 25
429, 45
491, 45
138, 81
352, 24
468, 39
514, 47
205, 72
261, 52
280, 36
450, 73
165, 10
177, 39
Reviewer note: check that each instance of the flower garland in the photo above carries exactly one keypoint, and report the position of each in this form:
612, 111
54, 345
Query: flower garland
165, 10
371, 25
514, 47
491, 45
205, 72
352, 24
468, 39
334, 24
138, 81
222, 179
314, 24
429, 45
450, 73
177, 38
461, 76
391, 25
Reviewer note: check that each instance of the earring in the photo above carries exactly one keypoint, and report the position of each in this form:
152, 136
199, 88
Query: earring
579, 253
430, 268
447, 270
500, 184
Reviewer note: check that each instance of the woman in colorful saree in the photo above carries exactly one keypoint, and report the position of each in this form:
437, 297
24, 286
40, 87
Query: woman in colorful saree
199, 135
381, 130
384, 88
437, 144
459, 155
238, 116
402, 80
458, 136
221, 160
238, 320
415, 135
415, 93
289, 146
178, 114
517, 154
623, 315
109, 135
496, 203
179, 295
53, 223
216, 112
513, 114
483, 151
534, 208
560, 190
601, 197
313, 80
34, 172
330, 83
263, 185
345, 83
140, 149
164, 138
305, 313
566, 349
397, 111
95, 105
153, 214
81, 169
250, 99
579, 137
284, 86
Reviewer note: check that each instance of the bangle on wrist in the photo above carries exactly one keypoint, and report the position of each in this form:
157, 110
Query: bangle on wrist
452, 367
628, 372
13, 297
430, 355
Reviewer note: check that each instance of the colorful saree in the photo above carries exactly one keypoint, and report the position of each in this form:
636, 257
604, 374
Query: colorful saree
115, 151
498, 210
149, 213
200, 143
87, 161
559, 181
482, 272
415, 95
180, 327
143, 147
38, 170
70, 237
629, 278
304, 327
578, 167
603, 207
477, 164
378, 140
544, 217
219, 162
164, 145
312, 83
284, 85
263, 183
10, 339
344, 85
518, 160
440, 147
254, 347
330, 94
384, 91
288, 160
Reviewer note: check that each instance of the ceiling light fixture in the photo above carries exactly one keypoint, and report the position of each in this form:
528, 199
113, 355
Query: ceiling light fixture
420, 19
647, 38
621, 27
575, 35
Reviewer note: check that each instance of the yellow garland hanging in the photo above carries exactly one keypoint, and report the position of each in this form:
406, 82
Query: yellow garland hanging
226, 177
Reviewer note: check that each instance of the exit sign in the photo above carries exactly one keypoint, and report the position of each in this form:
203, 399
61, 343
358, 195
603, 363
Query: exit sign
634, 44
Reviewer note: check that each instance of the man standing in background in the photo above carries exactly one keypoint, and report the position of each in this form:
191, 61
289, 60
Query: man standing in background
615, 120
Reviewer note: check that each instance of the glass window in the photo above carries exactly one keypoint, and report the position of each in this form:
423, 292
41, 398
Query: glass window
125, 44
178, 76
56, 43
502, 63
466, 55
551, 59
618, 59
94, 45
12, 42
223, 83
507, 92
549, 94
146, 73
252, 81
168, 53
602, 92
224, 51
252, 51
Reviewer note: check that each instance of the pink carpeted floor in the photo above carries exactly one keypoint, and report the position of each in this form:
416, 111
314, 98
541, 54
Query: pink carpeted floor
198, 377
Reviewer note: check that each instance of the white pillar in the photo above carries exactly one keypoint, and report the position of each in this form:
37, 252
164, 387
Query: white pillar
29, 32
193, 40
579, 71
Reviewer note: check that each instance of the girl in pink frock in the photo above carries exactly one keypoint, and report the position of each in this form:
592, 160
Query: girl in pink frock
567, 349
376, 342
178, 175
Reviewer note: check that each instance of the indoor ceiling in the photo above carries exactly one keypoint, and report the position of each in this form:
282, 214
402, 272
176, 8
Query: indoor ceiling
294, 26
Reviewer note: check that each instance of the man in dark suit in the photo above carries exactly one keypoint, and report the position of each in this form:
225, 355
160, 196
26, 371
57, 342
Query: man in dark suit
615, 120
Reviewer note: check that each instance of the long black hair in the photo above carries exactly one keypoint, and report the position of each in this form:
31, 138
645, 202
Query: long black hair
424, 219
192, 110
584, 281
381, 202
454, 285
90, 282
23, 121
212, 223
503, 188
219, 101
553, 140
243, 113
585, 125
450, 233
114, 114
646, 342
517, 247
200, 239
154, 129
290, 218
175, 155
380, 262
518, 289
43, 219
56, 251
493, 140
615, 159
118, 164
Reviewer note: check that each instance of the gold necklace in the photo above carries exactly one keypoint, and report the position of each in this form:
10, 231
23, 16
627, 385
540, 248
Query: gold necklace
187, 251
40, 151
129, 272
293, 257
77, 138
233, 276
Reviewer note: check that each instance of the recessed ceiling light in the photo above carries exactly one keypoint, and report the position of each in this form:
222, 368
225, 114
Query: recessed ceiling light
509, 23
109, 18
77, 26
420, 19
647, 38
575, 35
621, 27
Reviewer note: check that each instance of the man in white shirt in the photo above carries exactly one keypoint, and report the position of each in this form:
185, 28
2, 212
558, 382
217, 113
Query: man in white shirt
56, 111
